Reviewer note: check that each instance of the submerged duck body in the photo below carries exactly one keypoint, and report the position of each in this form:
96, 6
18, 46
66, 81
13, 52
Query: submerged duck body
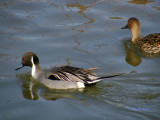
150, 43
62, 77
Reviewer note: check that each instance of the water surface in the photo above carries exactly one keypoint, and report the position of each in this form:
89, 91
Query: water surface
84, 34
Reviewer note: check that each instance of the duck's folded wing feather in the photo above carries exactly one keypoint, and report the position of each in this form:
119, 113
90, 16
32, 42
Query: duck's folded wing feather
152, 39
72, 74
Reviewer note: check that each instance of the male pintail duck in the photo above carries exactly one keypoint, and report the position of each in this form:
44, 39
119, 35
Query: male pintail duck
150, 43
64, 77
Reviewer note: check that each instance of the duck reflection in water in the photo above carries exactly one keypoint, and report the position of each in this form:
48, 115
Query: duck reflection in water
132, 54
33, 90
29, 88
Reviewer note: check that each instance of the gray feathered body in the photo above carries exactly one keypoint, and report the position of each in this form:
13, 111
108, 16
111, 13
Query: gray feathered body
73, 74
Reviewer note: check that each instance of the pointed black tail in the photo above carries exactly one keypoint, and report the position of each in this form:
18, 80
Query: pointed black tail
104, 77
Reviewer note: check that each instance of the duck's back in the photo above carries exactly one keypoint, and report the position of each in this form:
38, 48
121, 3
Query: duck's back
72, 74
150, 43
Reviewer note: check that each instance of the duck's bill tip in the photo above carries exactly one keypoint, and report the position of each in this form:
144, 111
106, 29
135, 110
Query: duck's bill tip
19, 67
125, 27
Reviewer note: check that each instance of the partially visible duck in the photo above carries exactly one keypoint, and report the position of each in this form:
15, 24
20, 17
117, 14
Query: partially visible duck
64, 77
150, 43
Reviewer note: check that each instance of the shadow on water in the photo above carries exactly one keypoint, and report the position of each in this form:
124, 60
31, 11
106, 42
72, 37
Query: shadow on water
82, 9
140, 2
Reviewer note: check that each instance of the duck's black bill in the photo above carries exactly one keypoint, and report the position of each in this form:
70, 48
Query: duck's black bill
125, 27
19, 67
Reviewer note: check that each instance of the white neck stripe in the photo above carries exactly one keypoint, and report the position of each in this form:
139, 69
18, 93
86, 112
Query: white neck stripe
33, 67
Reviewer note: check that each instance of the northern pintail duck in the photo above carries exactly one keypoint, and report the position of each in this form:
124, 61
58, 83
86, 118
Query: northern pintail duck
150, 43
64, 77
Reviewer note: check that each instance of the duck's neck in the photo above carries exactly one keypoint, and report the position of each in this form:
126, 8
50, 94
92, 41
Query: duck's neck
36, 71
136, 34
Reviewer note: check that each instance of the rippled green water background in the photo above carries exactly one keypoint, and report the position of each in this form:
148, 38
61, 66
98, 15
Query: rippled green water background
82, 33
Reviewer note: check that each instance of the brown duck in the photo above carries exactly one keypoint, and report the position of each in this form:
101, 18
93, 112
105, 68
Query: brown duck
150, 43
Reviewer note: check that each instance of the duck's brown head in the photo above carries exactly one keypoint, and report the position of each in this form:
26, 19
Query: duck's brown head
28, 59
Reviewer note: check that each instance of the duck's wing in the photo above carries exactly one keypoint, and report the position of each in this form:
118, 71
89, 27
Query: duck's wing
150, 43
72, 74
152, 39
